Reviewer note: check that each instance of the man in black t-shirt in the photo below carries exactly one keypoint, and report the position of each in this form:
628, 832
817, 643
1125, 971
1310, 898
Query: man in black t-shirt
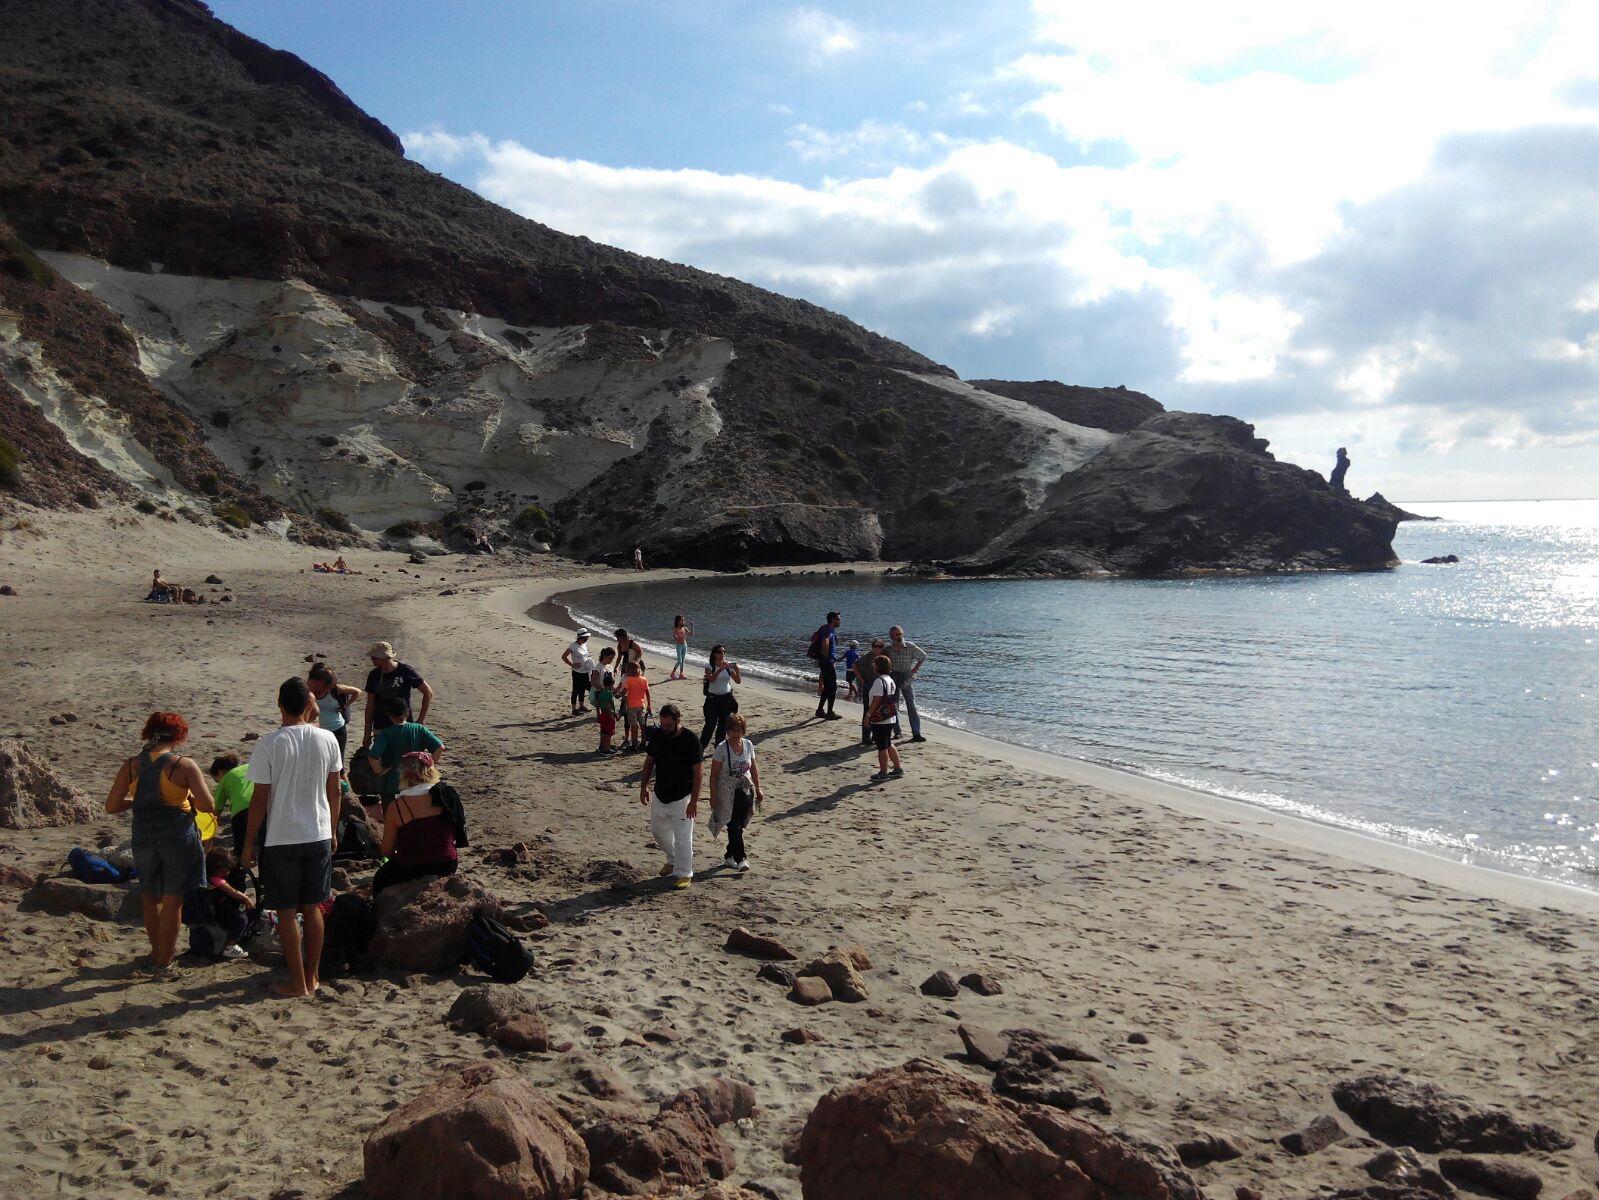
673, 758
391, 678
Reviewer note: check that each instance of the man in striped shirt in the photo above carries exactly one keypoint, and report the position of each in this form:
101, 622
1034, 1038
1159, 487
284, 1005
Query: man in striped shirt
905, 658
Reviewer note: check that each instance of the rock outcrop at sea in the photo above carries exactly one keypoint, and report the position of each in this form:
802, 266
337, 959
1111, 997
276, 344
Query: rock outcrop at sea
309, 328
1184, 492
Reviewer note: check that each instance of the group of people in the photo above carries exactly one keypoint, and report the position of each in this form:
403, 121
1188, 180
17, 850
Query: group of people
337, 567
283, 808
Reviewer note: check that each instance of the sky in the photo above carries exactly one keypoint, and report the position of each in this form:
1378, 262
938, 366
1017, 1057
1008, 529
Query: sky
1373, 224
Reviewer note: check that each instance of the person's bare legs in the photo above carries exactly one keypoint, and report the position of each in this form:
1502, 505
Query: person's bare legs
168, 926
152, 923
289, 939
893, 755
312, 915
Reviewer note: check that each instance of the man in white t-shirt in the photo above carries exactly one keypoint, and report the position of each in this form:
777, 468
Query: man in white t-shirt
581, 662
295, 770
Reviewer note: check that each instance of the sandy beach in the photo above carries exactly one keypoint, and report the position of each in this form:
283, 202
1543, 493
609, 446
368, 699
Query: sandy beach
1257, 958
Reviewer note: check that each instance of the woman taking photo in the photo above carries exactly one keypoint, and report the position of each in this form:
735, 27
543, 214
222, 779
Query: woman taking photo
735, 791
164, 790
720, 703
418, 830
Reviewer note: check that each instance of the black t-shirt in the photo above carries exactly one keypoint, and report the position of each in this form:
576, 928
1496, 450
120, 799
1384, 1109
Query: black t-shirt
675, 756
401, 682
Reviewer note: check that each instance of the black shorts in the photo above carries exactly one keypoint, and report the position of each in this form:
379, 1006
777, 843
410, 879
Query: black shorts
883, 735
296, 876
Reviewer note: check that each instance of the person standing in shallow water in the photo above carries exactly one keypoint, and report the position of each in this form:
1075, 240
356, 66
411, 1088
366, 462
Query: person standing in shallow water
163, 789
675, 762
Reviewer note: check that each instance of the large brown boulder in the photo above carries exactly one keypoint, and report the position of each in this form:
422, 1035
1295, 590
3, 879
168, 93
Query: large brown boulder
1411, 1112
421, 925
483, 1133
32, 796
680, 1144
921, 1132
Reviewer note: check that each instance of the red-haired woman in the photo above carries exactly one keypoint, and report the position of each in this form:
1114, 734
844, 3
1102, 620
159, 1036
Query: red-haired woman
163, 790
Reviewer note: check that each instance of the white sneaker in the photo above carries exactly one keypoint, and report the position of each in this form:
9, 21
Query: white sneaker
730, 862
743, 864
235, 951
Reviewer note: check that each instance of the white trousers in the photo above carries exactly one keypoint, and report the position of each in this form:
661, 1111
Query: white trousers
674, 834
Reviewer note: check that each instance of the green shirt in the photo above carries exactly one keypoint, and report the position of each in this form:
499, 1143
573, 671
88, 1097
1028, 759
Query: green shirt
389, 744
234, 790
605, 701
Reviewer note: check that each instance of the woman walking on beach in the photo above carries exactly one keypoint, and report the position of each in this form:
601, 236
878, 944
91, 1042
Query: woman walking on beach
681, 632
163, 789
720, 703
735, 791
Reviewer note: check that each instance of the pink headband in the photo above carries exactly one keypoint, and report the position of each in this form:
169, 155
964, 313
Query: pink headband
422, 756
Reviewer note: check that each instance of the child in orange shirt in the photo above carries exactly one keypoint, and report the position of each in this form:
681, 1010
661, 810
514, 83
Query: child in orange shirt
635, 707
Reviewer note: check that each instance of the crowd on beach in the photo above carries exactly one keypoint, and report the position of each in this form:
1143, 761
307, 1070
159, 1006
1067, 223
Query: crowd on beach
290, 808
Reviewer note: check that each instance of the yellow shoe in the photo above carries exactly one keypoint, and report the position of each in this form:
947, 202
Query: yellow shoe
665, 871
683, 881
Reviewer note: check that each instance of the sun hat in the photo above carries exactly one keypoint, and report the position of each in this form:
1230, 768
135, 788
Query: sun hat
380, 650
582, 633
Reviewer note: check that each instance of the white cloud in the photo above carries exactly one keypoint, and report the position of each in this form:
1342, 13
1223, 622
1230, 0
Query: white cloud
821, 37
872, 140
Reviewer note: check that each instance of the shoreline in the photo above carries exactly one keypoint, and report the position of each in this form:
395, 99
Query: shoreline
1296, 832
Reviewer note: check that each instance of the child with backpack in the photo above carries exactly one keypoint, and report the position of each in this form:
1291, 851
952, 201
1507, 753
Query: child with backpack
605, 711
230, 907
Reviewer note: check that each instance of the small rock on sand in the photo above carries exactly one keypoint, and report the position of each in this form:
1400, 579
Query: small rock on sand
983, 1046
810, 990
755, 945
1318, 1135
1209, 1147
800, 1036
772, 973
1501, 1176
983, 985
941, 983
1415, 1113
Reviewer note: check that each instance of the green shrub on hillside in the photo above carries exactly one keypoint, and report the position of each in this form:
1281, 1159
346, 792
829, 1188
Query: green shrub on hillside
232, 514
334, 519
834, 457
22, 263
936, 504
10, 472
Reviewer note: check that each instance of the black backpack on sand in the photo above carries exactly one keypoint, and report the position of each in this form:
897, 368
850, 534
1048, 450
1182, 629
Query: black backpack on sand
348, 929
356, 843
496, 951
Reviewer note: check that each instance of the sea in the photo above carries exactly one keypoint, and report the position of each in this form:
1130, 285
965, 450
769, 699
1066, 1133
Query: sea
1454, 708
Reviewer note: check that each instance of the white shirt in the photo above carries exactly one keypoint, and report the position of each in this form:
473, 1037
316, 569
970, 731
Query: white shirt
296, 761
582, 660
883, 689
734, 766
722, 681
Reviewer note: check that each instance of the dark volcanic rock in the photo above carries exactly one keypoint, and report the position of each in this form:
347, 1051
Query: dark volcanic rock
1210, 1147
422, 924
1037, 1068
680, 1143
1414, 1113
1439, 560
1389, 509
921, 1131
942, 984
772, 973
983, 985
1112, 408
1401, 1167
983, 1046
1186, 491
1318, 1135
1501, 1176
102, 901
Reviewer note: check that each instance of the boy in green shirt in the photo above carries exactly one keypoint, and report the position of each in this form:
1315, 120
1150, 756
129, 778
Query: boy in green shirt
233, 792
605, 711
399, 738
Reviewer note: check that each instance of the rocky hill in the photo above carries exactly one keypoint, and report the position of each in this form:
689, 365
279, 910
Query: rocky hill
225, 295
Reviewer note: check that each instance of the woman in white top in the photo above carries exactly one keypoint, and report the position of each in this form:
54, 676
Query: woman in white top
882, 712
720, 703
581, 663
735, 791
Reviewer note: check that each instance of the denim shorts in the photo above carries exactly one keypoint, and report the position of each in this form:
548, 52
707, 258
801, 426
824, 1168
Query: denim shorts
170, 865
297, 875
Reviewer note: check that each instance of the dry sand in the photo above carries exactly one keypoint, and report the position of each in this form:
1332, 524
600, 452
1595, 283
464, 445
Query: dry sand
1262, 958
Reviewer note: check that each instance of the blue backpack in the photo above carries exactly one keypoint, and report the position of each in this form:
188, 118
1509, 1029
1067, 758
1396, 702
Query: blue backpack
91, 868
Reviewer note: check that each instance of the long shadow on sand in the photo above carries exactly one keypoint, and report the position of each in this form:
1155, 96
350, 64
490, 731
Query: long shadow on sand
817, 759
574, 909
230, 992
821, 803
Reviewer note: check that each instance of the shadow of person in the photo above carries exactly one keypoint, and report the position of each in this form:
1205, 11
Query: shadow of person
821, 803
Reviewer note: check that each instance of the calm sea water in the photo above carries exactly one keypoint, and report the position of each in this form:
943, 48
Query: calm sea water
1451, 707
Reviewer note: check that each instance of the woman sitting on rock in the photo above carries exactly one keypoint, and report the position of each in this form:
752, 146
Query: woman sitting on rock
419, 828
163, 789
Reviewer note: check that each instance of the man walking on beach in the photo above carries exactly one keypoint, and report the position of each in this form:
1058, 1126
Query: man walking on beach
295, 770
905, 659
824, 649
674, 760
